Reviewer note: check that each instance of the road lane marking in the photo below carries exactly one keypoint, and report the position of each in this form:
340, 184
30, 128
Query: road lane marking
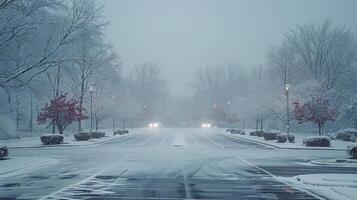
279, 180
213, 142
86, 179
162, 142
248, 147
142, 143
187, 188
194, 139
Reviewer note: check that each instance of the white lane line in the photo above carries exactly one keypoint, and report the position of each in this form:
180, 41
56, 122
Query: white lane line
279, 180
162, 142
187, 188
213, 142
194, 139
248, 147
84, 180
142, 143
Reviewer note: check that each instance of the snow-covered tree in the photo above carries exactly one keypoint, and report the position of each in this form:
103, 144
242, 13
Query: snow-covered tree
317, 110
61, 111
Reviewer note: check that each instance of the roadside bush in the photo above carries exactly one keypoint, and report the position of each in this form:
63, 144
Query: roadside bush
242, 132
82, 136
98, 134
352, 151
235, 131
256, 133
353, 138
4, 152
283, 137
270, 135
346, 134
317, 141
121, 132
49, 139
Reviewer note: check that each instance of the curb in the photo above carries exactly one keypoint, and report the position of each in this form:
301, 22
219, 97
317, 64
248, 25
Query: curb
290, 148
67, 145
330, 162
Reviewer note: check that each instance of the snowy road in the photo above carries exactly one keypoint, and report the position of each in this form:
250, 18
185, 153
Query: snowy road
166, 164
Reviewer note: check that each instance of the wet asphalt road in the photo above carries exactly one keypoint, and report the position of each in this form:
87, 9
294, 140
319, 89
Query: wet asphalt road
167, 164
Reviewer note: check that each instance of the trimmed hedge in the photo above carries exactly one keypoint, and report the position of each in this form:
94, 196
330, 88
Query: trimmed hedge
283, 137
82, 136
98, 134
4, 152
49, 139
121, 132
235, 131
346, 134
352, 151
317, 141
270, 135
257, 133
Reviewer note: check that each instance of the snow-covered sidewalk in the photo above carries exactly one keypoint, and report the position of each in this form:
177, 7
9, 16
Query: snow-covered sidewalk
19, 165
335, 144
35, 142
331, 186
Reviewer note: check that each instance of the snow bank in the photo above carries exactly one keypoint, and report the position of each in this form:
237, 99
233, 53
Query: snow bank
332, 186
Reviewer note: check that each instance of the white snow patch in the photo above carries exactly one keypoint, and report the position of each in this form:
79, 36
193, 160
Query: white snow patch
20, 165
332, 186
179, 140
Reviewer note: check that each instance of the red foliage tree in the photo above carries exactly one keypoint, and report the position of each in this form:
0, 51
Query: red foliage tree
317, 110
62, 112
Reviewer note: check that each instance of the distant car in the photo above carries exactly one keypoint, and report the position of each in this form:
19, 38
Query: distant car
154, 125
206, 125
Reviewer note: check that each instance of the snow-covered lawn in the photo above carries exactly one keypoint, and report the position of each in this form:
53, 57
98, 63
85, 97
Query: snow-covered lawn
68, 141
335, 144
331, 186
12, 166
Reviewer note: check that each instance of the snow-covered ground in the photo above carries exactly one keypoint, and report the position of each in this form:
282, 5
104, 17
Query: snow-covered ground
335, 144
68, 141
332, 186
13, 166
176, 163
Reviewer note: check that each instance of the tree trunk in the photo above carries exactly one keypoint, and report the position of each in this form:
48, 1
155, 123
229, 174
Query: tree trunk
320, 129
53, 127
79, 125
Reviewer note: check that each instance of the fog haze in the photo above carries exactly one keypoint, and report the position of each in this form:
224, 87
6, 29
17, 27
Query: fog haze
181, 36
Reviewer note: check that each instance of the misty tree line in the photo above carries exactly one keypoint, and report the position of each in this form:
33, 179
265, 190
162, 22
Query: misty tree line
50, 48
316, 60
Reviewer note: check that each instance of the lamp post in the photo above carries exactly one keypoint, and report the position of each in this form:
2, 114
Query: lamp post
91, 89
242, 99
287, 86
113, 114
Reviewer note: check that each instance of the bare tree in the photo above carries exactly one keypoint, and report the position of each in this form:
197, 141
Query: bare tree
326, 51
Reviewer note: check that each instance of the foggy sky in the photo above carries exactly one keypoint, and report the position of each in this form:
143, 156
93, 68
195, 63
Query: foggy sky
183, 35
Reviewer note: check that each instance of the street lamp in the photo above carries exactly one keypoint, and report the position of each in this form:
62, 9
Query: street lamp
91, 90
242, 99
113, 114
287, 86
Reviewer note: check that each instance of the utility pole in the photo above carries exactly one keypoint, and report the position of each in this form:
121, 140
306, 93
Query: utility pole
91, 108
123, 125
31, 114
287, 111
